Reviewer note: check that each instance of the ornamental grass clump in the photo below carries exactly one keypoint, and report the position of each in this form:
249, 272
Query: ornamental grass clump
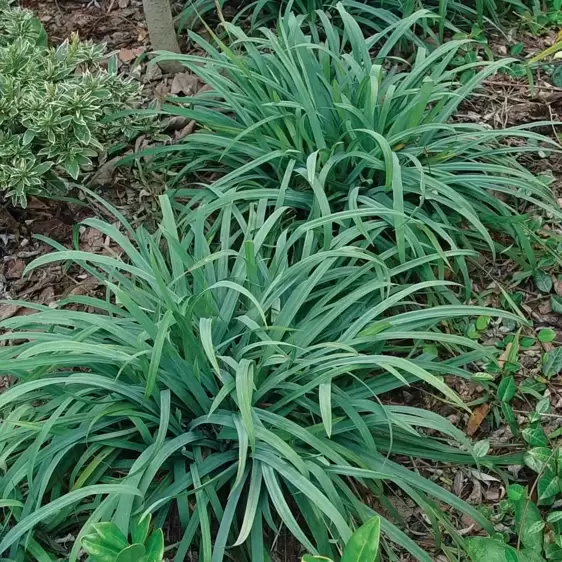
448, 15
343, 120
235, 378
53, 107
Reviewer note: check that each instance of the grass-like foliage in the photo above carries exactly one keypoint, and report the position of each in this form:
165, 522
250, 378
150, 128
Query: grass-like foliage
337, 116
235, 379
374, 14
449, 14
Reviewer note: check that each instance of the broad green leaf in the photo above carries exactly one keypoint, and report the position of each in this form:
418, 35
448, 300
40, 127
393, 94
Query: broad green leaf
506, 389
481, 448
482, 323
552, 362
139, 529
527, 555
528, 523
543, 406
554, 516
482, 549
549, 486
535, 436
543, 281
539, 458
97, 550
553, 551
515, 492
546, 335
110, 535
363, 546
155, 546
132, 553
536, 528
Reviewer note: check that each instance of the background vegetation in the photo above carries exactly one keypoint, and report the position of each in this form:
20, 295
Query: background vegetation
53, 102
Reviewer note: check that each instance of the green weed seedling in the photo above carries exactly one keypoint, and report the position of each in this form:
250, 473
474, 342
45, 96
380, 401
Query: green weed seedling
108, 544
363, 546
539, 16
475, 50
531, 521
536, 533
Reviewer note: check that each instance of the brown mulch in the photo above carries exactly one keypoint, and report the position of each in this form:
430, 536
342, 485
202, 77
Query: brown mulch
118, 23
19, 247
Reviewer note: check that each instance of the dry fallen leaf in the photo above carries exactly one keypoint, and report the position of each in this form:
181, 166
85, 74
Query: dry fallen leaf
505, 355
477, 417
104, 175
161, 92
544, 307
36, 204
153, 73
187, 130
91, 240
186, 83
15, 269
458, 483
127, 55
557, 287
85, 287
143, 34
8, 310
482, 476
475, 497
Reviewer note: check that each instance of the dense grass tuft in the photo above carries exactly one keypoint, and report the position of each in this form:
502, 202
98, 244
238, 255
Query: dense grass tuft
236, 378
341, 119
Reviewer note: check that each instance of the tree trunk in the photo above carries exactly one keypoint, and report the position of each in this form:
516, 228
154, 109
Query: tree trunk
158, 14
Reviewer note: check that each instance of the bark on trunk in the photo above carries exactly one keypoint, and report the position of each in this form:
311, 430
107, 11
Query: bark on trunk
158, 14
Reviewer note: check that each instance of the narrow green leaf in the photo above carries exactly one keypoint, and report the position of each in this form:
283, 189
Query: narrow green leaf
244, 393
55, 506
254, 490
325, 402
